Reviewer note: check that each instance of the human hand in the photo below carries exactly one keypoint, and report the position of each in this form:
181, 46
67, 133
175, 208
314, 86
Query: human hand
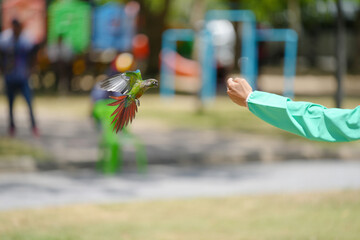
238, 90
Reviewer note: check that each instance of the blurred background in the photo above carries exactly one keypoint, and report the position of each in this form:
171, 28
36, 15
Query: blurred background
188, 138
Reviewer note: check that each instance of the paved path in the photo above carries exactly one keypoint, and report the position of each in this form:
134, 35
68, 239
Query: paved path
59, 188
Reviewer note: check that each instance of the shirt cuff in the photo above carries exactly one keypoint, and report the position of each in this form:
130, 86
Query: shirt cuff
247, 99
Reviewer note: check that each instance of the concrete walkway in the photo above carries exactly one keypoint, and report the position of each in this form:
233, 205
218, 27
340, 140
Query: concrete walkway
28, 190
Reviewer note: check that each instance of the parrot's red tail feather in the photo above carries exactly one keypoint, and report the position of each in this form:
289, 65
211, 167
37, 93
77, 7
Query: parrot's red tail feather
119, 100
124, 113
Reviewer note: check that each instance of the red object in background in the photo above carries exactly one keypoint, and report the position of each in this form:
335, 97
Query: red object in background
31, 13
141, 48
182, 66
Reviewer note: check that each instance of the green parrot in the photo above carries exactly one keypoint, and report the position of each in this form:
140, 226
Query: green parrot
132, 86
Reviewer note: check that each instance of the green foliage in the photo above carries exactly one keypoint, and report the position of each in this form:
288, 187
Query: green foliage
70, 20
217, 4
265, 9
101, 2
269, 11
155, 6
179, 12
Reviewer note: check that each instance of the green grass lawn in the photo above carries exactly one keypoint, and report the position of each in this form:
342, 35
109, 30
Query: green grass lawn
179, 112
222, 114
13, 147
321, 216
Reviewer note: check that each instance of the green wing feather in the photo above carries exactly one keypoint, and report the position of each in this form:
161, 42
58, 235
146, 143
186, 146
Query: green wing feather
134, 76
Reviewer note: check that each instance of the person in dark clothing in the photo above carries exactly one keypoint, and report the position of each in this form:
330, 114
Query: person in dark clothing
16, 50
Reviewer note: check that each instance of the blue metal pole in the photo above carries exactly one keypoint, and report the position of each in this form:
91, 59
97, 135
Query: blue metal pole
290, 38
208, 66
249, 53
167, 74
290, 62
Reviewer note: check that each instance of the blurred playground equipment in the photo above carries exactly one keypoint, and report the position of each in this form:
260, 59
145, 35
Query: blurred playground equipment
31, 14
250, 36
83, 40
290, 38
115, 40
114, 26
170, 60
70, 20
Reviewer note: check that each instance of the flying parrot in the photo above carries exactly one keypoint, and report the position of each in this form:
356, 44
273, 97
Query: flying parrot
132, 86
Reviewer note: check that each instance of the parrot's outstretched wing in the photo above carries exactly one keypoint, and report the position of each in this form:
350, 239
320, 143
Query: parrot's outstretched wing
118, 83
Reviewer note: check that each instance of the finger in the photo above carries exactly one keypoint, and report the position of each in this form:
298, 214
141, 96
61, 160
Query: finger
229, 81
230, 84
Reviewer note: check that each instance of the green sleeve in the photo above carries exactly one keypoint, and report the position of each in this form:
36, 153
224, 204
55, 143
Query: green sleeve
306, 119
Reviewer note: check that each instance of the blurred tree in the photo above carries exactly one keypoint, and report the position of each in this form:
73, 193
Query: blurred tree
294, 15
153, 16
340, 53
356, 63
197, 12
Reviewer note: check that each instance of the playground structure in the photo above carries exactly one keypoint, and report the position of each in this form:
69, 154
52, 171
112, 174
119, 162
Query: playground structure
85, 38
250, 36
70, 20
114, 26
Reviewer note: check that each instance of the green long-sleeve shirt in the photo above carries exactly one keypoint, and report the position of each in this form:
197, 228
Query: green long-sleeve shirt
306, 119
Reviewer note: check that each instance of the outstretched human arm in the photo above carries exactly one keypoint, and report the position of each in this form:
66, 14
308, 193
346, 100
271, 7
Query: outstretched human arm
306, 119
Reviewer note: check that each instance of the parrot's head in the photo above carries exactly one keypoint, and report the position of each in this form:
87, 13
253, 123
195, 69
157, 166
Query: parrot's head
150, 83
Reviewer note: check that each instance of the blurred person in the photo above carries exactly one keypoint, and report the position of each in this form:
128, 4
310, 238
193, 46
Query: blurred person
110, 144
306, 119
17, 51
